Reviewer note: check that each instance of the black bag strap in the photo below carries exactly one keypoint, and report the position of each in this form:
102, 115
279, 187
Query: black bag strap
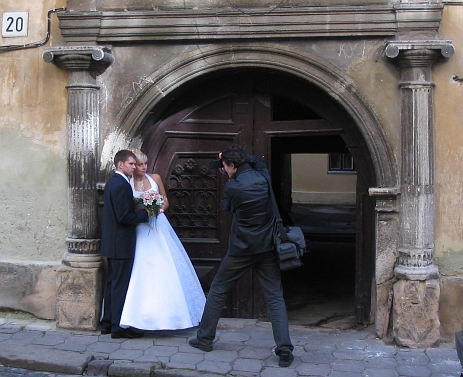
279, 221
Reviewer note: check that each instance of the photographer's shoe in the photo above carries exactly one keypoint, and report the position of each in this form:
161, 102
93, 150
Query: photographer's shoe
203, 347
286, 358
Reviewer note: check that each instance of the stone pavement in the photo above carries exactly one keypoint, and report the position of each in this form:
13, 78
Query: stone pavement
242, 348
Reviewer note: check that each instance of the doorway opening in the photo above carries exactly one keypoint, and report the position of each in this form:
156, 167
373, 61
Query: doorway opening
322, 291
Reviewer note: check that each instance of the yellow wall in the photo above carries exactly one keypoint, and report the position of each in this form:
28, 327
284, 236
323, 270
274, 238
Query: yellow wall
312, 183
33, 105
449, 148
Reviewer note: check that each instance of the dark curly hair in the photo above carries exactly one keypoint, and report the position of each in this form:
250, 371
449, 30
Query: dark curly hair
234, 154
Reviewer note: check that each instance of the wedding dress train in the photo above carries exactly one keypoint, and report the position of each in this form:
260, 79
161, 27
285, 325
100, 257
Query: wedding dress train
164, 291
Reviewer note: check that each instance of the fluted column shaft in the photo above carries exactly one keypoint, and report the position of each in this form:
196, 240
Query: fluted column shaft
83, 115
416, 239
83, 131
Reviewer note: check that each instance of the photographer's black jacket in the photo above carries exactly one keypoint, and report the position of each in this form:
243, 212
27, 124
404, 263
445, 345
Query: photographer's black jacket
247, 196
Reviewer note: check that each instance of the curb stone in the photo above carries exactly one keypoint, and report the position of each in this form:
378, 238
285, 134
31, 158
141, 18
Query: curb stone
183, 373
99, 367
43, 359
132, 369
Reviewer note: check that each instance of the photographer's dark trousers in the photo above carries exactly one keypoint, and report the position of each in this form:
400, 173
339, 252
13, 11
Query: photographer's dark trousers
230, 271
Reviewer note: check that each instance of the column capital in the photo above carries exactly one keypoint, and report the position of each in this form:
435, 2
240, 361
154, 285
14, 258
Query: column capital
416, 59
396, 48
80, 58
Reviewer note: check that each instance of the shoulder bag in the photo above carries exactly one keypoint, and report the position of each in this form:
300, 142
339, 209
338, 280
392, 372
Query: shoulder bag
289, 241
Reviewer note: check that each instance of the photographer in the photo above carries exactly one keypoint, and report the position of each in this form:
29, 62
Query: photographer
251, 246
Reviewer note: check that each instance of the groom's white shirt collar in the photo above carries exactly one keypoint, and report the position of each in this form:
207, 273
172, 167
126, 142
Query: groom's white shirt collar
125, 177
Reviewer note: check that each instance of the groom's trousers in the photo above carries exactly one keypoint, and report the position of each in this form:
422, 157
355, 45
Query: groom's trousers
119, 271
232, 268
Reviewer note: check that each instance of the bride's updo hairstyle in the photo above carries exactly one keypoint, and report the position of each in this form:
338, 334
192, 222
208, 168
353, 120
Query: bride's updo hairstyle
141, 157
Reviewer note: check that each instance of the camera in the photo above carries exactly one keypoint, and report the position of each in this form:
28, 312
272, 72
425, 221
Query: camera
215, 164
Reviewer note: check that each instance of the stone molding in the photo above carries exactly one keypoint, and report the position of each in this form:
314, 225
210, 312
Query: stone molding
445, 47
225, 23
83, 253
306, 66
81, 58
416, 265
386, 198
83, 246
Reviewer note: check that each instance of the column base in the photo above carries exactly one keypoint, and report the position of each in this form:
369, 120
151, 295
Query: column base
416, 264
78, 298
416, 313
82, 260
417, 273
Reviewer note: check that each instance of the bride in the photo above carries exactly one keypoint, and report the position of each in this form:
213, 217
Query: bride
164, 292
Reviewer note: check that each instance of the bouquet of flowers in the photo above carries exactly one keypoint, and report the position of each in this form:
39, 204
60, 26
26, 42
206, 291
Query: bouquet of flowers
151, 200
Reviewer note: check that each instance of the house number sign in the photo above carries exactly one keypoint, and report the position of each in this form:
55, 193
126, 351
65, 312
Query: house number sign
15, 24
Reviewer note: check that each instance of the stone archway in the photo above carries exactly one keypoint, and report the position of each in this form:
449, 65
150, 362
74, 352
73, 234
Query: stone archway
307, 67
212, 60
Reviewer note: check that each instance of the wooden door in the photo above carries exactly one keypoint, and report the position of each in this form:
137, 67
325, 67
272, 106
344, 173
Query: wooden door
180, 147
270, 116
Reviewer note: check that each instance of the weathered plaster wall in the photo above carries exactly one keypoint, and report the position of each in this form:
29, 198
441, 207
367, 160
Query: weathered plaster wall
449, 175
33, 201
449, 149
378, 79
120, 85
33, 138
33, 188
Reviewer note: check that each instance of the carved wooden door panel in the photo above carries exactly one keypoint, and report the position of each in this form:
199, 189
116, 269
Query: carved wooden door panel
179, 148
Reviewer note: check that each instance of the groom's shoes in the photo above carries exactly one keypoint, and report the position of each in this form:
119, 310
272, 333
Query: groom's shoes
105, 328
127, 333
203, 347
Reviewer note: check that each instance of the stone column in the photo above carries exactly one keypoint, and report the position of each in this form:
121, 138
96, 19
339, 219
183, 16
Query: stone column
416, 293
79, 285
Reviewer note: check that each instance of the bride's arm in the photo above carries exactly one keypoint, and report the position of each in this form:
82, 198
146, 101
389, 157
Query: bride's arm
162, 190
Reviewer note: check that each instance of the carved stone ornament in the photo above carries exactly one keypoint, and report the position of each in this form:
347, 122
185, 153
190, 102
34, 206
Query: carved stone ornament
80, 58
445, 47
83, 253
132, 24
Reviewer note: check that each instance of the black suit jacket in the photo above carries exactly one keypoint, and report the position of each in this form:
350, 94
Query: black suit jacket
119, 219
247, 196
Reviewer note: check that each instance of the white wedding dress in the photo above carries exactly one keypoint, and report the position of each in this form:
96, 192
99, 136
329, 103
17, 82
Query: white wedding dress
164, 291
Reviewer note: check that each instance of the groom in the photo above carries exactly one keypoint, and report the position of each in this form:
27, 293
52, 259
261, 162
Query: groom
118, 243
